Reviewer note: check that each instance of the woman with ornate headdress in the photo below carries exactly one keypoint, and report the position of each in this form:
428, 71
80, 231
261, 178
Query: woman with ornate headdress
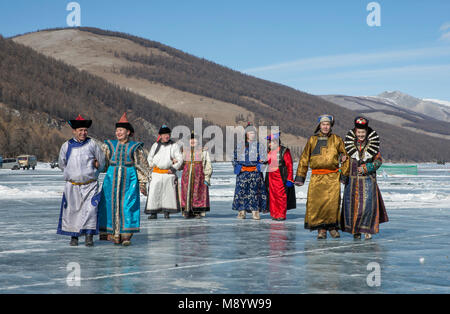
195, 180
250, 194
126, 176
325, 154
362, 207
279, 178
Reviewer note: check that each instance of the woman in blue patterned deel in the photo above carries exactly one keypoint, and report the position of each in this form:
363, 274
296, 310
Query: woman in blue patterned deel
250, 194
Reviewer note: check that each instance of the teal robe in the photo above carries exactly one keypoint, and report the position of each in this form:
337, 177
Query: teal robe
119, 208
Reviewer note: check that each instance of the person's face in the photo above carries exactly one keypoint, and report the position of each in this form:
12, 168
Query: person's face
273, 144
325, 127
165, 138
193, 142
251, 136
122, 134
80, 134
361, 134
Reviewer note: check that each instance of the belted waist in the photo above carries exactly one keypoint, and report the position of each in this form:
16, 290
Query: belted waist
324, 171
82, 183
249, 168
157, 170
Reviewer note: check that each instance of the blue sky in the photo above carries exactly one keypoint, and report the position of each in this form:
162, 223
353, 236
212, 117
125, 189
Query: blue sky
320, 47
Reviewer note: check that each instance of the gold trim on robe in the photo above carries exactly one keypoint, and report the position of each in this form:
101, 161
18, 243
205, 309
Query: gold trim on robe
324, 192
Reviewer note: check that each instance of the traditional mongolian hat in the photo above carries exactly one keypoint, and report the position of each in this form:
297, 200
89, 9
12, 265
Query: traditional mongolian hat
274, 137
250, 128
194, 136
372, 146
123, 123
361, 123
80, 122
164, 130
324, 118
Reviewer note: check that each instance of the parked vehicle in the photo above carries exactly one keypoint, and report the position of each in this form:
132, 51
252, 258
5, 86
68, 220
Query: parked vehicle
27, 161
10, 163
1, 162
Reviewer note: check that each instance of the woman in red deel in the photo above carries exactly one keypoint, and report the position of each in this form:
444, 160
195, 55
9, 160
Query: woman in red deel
280, 179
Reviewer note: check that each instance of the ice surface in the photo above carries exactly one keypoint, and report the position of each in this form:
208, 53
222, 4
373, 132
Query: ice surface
220, 254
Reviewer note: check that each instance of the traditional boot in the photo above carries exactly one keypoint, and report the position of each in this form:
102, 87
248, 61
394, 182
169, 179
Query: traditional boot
357, 236
367, 236
335, 234
116, 239
255, 214
74, 241
322, 234
241, 214
153, 216
103, 237
166, 215
126, 240
89, 240
203, 214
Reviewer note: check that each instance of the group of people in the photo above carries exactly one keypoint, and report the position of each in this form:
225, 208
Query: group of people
113, 211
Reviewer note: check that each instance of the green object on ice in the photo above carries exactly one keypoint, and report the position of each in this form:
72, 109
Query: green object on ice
399, 169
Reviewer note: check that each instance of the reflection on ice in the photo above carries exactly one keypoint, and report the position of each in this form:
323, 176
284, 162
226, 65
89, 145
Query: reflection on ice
220, 254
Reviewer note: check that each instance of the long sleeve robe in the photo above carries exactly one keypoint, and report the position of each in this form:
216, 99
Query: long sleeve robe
323, 154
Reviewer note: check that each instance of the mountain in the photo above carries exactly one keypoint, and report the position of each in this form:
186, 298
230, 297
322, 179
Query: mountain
399, 109
434, 109
154, 76
38, 94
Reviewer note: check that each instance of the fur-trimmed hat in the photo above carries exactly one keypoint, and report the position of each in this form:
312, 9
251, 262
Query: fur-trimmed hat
80, 122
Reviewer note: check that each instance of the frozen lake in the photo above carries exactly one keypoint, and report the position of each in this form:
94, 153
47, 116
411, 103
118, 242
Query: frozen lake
220, 254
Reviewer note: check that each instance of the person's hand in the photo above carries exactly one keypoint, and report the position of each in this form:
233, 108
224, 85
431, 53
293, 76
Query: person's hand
143, 190
360, 170
343, 158
297, 183
169, 171
96, 164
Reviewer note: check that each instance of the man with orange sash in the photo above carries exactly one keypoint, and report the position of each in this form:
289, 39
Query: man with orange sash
323, 153
164, 159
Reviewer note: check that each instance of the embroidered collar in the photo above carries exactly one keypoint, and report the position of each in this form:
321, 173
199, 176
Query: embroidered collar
369, 148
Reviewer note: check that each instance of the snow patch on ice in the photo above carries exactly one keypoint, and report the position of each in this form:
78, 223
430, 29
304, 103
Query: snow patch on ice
38, 192
196, 284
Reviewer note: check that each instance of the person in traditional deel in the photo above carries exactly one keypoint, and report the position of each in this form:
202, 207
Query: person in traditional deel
81, 160
279, 178
195, 180
126, 177
363, 208
325, 154
250, 194
164, 159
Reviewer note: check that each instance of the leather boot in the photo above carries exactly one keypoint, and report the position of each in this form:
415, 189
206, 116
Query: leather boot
335, 234
255, 215
166, 215
153, 216
89, 240
241, 214
126, 240
74, 241
322, 234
